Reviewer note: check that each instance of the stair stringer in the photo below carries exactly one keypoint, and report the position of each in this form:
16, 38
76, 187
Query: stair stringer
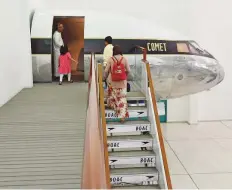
156, 142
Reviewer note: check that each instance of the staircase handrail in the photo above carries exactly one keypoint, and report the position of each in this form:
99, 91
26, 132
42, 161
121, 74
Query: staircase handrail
103, 124
93, 171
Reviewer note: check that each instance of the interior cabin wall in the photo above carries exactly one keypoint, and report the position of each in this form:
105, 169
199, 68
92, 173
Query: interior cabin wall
15, 54
206, 21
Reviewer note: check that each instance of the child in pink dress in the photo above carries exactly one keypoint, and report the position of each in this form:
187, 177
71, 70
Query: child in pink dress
65, 63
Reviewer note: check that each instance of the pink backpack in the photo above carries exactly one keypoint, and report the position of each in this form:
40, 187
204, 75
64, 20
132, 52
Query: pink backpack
118, 71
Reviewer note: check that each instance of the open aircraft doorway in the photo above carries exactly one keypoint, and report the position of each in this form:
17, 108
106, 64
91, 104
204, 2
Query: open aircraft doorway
73, 36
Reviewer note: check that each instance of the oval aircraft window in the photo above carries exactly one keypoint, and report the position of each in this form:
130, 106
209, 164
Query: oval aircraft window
182, 48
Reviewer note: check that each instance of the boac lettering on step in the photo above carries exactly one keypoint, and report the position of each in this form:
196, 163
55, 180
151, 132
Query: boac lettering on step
113, 144
146, 160
141, 128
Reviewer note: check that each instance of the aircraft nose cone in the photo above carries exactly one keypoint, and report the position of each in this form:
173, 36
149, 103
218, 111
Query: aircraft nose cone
190, 75
208, 72
221, 74
216, 74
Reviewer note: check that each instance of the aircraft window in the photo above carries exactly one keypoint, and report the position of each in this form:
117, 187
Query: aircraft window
196, 49
41, 46
182, 48
193, 50
195, 45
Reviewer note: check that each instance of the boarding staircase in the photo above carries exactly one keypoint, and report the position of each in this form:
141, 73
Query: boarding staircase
132, 160
136, 151
129, 155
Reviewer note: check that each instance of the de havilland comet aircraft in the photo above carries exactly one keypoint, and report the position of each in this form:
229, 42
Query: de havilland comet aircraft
179, 66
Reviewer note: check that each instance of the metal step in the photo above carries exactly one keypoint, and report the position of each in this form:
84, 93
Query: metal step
136, 103
135, 142
133, 103
137, 187
134, 96
134, 99
128, 128
134, 176
132, 153
135, 113
130, 159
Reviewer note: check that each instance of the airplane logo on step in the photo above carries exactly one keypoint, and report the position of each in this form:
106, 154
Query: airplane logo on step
140, 112
150, 177
110, 129
112, 161
144, 143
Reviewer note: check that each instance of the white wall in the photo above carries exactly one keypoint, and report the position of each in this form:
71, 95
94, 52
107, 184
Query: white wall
15, 56
206, 21
213, 29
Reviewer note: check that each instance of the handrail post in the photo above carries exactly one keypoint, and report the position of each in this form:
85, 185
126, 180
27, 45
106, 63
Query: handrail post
144, 50
145, 54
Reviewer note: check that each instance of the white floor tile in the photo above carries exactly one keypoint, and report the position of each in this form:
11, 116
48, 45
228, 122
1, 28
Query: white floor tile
203, 130
214, 130
174, 164
226, 144
182, 182
181, 131
227, 123
213, 181
202, 156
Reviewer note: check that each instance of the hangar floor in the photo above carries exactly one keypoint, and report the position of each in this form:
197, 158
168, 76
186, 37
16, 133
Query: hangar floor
42, 133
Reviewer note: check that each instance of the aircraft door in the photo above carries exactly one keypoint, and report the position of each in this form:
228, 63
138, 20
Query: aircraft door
41, 46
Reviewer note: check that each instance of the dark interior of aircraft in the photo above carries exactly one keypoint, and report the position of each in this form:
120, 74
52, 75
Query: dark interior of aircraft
73, 36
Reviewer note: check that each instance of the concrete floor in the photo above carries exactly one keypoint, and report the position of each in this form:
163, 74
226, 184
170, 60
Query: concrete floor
199, 156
